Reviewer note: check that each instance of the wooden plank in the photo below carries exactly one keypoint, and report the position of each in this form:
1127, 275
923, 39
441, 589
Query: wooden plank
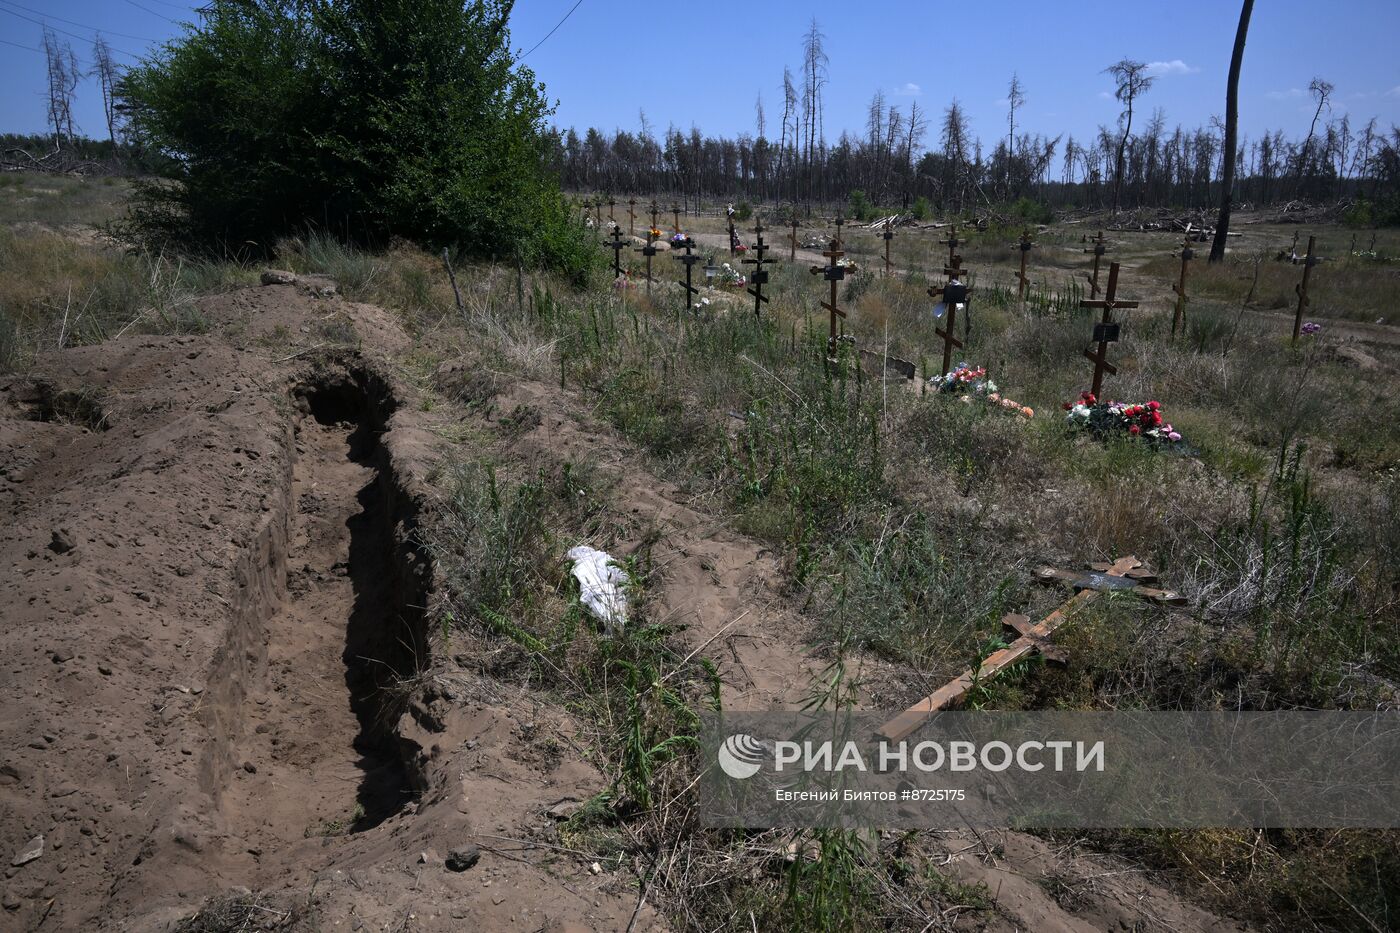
953, 692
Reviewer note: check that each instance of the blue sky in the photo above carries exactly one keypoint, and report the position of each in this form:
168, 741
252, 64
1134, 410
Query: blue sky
707, 63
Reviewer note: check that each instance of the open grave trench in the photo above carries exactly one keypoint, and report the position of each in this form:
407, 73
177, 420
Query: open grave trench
314, 748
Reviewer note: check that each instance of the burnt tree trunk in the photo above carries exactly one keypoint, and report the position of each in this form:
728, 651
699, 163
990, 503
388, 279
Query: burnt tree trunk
1232, 115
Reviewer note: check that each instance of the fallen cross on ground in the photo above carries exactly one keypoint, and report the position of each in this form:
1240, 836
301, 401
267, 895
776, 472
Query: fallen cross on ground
1033, 638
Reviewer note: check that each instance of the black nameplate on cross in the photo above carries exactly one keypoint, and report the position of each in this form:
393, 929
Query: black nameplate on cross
759, 276
1106, 331
650, 249
1099, 248
953, 293
689, 259
834, 273
617, 247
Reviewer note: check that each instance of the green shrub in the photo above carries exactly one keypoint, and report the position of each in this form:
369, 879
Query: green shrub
372, 120
922, 208
860, 205
743, 210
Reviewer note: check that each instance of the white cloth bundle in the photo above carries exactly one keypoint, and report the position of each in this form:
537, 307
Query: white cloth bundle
600, 583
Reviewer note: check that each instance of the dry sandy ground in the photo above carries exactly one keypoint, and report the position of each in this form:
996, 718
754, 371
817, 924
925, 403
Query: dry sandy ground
214, 573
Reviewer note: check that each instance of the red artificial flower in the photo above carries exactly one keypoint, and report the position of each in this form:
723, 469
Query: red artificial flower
1134, 429
1156, 419
1154, 405
1068, 406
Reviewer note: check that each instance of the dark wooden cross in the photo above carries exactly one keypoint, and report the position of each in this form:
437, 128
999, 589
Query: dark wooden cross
1098, 249
611, 203
834, 273
631, 216
650, 249
1302, 289
689, 259
888, 235
617, 247
733, 235
1026, 244
759, 277
793, 218
1106, 331
953, 293
676, 216
952, 243
1179, 286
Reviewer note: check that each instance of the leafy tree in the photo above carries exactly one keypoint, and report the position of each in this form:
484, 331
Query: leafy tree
370, 118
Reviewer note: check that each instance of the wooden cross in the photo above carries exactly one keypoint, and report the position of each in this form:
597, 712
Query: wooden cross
793, 218
650, 249
1099, 248
1026, 244
611, 203
759, 278
1106, 331
833, 272
1302, 289
952, 294
631, 216
1031, 638
888, 235
676, 216
690, 260
952, 243
1187, 254
733, 234
617, 247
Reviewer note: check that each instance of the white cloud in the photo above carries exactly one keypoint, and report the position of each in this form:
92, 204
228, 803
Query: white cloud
908, 89
1104, 95
1174, 67
1393, 92
1292, 93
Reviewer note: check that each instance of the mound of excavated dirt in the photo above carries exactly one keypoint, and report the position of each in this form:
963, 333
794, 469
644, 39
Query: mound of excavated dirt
221, 707
214, 652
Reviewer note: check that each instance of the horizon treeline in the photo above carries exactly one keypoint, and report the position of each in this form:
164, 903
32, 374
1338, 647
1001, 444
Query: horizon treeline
787, 157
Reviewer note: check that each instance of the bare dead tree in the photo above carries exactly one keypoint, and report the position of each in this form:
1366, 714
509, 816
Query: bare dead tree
814, 65
1321, 90
1015, 97
1232, 119
1131, 80
104, 69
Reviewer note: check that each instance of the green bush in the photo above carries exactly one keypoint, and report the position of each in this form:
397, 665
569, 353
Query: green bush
922, 208
861, 208
1035, 212
743, 210
371, 120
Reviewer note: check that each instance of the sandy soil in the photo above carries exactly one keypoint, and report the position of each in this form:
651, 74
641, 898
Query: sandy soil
216, 580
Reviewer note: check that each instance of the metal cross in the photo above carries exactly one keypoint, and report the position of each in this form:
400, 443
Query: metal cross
690, 260
617, 247
1106, 331
1187, 254
833, 272
1302, 289
1026, 244
631, 216
953, 294
888, 235
759, 278
1099, 248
